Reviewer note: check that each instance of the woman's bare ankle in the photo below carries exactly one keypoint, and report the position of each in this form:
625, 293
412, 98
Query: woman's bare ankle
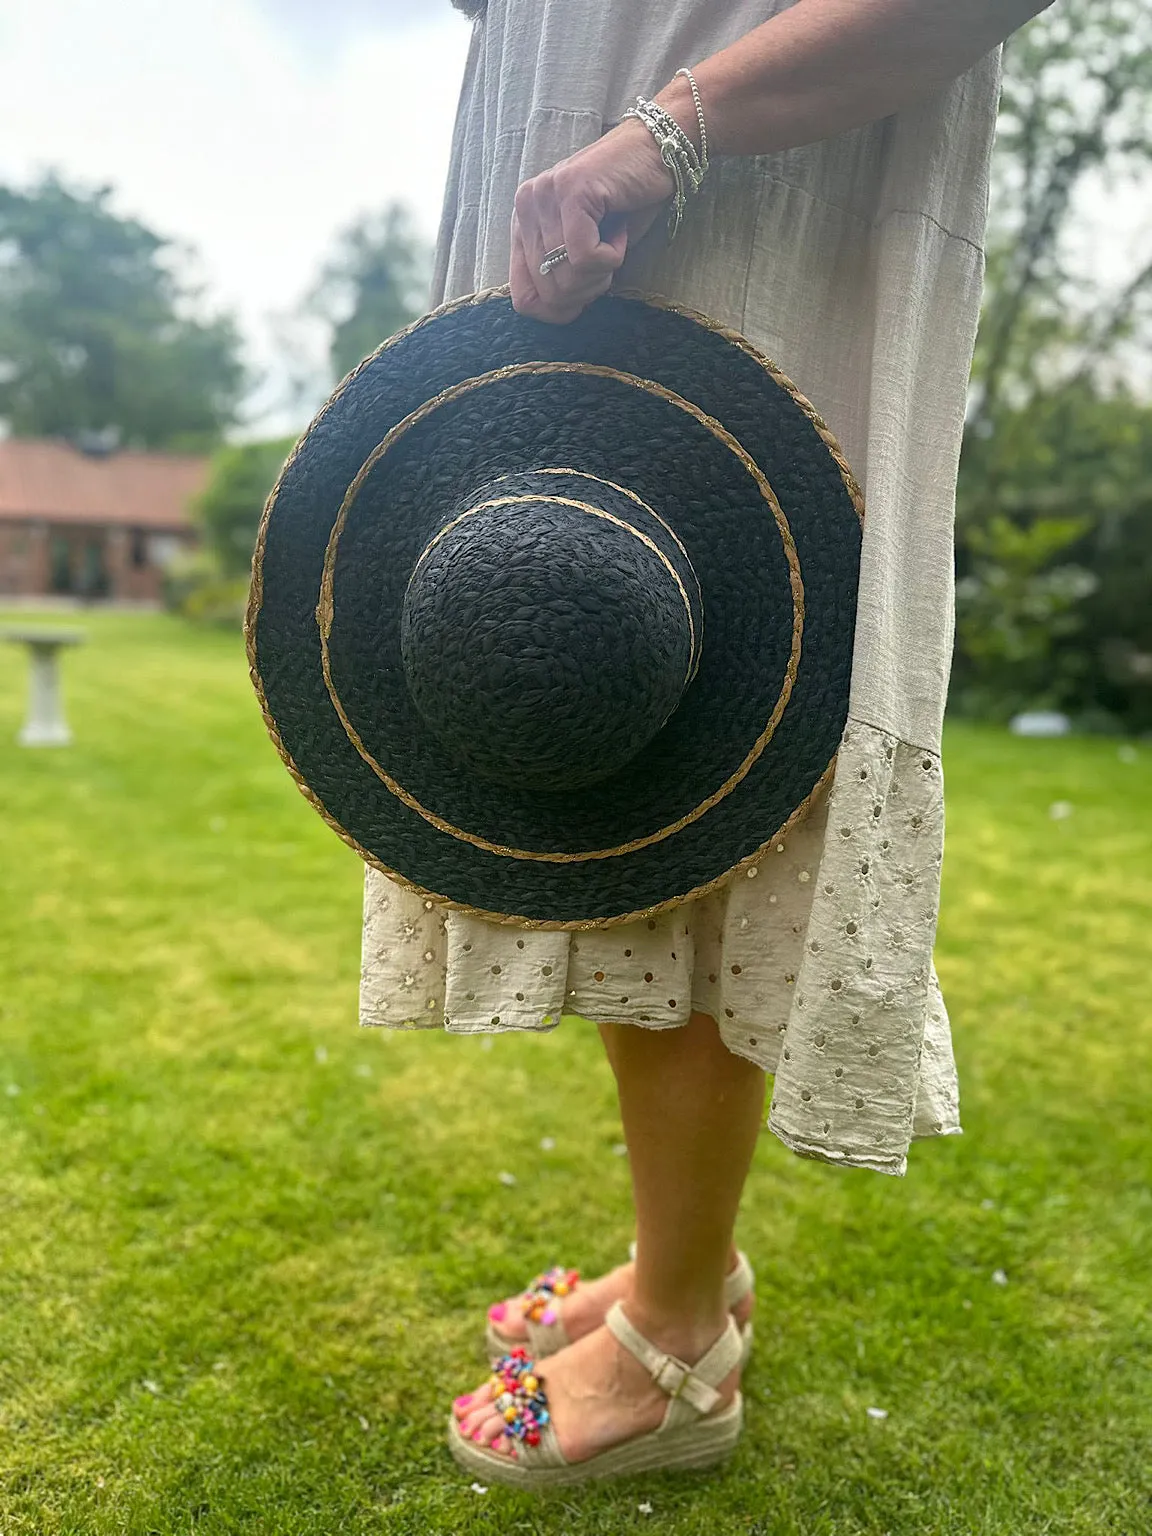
687, 1333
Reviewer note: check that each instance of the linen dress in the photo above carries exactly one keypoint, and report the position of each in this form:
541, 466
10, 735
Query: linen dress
856, 265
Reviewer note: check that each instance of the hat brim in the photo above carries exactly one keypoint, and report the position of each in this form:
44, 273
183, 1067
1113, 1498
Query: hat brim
691, 419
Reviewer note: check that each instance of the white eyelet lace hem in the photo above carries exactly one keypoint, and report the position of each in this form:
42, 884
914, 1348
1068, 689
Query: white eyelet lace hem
816, 964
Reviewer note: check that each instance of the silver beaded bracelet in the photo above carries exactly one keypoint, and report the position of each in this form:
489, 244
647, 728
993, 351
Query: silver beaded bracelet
699, 105
677, 150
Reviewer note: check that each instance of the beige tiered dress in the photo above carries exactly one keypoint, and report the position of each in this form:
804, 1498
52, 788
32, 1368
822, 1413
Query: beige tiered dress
856, 264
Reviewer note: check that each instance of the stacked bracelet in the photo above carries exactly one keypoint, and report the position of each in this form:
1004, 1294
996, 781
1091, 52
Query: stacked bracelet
677, 150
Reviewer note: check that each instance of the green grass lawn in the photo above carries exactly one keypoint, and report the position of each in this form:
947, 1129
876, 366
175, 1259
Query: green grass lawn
246, 1247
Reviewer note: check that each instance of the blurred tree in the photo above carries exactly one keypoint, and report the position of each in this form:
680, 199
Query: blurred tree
1076, 111
96, 333
1054, 473
1053, 602
374, 284
1104, 448
229, 507
1012, 608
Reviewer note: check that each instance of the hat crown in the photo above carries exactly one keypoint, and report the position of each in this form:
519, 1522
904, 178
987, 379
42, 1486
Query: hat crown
549, 630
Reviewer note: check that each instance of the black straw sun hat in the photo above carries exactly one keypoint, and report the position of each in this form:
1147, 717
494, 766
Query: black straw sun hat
554, 623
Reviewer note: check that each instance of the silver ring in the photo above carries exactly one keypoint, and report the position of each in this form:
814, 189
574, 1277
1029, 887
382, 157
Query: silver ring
553, 259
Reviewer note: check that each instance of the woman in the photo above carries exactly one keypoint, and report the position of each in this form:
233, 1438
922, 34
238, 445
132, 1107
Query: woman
839, 228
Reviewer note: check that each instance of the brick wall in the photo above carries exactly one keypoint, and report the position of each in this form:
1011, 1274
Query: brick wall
34, 555
23, 559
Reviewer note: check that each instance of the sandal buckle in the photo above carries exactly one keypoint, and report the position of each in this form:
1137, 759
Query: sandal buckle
671, 1376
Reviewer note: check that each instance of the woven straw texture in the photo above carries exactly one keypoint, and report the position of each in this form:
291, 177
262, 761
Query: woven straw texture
753, 535
546, 634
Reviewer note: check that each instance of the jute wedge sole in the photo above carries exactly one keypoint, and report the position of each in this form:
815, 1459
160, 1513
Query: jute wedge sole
546, 1339
694, 1448
693, 1435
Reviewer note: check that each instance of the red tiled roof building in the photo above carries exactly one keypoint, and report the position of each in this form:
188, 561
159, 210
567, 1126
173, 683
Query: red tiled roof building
92, 525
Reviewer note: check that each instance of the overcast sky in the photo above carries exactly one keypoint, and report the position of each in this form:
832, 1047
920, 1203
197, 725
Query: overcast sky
253, 129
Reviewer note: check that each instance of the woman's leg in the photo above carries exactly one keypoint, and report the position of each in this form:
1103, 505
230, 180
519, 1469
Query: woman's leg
637, 1053
691, 1113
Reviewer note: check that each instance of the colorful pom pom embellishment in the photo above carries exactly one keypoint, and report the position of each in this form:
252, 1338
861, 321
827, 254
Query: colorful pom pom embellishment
538, 1300
519, 1396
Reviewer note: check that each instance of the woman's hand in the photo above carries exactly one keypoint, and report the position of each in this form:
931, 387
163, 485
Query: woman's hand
597, 203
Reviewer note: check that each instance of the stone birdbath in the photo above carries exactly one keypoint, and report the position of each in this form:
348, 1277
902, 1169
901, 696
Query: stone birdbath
45, 725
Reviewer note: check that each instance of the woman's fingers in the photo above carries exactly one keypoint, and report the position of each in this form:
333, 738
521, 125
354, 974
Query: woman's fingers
531, 293
595, 204
523, 281
538, 210
547, 217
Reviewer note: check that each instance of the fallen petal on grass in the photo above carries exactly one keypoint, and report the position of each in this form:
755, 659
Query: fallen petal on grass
876, 1413
999, 1277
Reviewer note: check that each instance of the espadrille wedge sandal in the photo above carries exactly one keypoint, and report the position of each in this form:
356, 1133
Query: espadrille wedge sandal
692, 1434
545, 1324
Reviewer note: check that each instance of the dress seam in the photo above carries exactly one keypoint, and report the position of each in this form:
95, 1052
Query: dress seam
860, 218
919, 213
885, 730
522, 131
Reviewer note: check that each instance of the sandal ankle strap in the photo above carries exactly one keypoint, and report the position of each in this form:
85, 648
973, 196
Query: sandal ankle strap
739, 1282
694, 1385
